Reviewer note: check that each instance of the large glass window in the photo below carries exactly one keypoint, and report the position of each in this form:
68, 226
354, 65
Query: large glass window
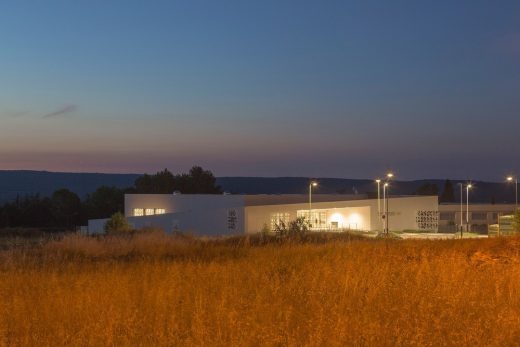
138, 212
160, 211
318, 219
279, 218
150, 211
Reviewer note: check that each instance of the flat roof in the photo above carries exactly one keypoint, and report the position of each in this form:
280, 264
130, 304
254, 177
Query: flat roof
283, 199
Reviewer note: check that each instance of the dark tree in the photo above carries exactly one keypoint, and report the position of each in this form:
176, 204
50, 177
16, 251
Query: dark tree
427, 189
66, 208
448, 194
4, 218
104, 202
34, 211
162, 182
197, 181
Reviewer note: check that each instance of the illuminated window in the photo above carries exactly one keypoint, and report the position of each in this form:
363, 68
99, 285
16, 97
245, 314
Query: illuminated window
160, 211
318, 219
138, 212
277, 219
150, 211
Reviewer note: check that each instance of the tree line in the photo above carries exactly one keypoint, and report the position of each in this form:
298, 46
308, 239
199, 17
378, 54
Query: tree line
64, 209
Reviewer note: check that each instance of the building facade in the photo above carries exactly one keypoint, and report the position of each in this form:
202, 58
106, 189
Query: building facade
217, 215
452, 217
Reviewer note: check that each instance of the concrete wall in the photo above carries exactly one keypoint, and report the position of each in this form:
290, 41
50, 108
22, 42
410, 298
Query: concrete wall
214, 215
96, 226
480, 215
403, 212
200, 214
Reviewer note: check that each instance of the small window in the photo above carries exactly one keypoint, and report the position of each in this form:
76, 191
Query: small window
138, 212
150, 211
160, 211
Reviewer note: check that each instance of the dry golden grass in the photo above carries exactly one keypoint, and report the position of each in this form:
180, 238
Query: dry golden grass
154, 290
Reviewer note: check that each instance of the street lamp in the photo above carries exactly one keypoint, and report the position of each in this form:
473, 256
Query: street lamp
514, 179
311, 184
461, 200
389, 176
385, 199
468, 187
378, 181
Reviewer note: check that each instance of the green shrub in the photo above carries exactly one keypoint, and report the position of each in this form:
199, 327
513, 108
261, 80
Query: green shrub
296, 228
117, 224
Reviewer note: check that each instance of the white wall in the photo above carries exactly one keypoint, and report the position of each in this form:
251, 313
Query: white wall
96, 226
402, 211
210, 214
199, 214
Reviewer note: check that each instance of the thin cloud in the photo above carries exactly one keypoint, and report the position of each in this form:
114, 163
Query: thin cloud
62, 111
13, 114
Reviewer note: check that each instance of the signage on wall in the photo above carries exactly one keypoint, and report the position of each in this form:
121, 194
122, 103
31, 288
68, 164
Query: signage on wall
232, 219
427, 220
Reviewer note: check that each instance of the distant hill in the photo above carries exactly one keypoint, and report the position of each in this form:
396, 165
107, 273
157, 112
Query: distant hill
483, 192
22, 183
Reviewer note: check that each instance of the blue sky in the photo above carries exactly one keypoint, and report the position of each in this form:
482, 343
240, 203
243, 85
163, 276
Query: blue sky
429, 89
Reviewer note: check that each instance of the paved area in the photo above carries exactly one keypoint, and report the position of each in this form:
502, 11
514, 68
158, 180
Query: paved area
437, 236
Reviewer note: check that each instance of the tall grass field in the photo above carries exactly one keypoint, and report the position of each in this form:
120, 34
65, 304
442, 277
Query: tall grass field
157, 290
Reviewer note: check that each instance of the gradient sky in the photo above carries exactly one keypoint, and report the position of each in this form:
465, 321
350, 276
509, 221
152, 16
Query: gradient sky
430, 89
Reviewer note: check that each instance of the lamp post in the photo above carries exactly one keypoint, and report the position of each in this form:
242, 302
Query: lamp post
461, 227
378, 181
468, 187
389, 176
311, 184
385, 200
514, 179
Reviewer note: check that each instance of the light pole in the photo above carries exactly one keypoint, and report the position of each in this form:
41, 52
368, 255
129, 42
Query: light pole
311, 184
378, 181
385, 200
468, 187
514, 179
389, 176
461, 227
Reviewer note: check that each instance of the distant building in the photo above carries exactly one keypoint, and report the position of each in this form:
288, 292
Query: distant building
216, 215
504, 227
481, 216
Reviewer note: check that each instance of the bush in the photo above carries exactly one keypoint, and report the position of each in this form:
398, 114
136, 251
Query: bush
296, 228
117, 224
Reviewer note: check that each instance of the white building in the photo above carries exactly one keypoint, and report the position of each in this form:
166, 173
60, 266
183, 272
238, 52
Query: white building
452, 216
216, 215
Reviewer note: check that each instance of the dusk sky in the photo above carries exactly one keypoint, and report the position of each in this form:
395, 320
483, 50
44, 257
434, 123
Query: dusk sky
430, 89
